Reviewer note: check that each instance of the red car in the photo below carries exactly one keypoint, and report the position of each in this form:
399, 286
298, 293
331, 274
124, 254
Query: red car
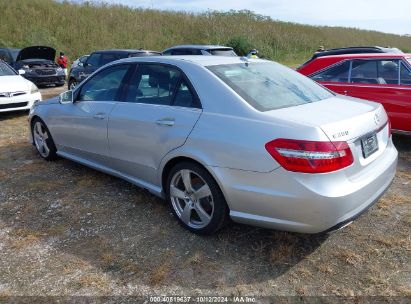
380, 77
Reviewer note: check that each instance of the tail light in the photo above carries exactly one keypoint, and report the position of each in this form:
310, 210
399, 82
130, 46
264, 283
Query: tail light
310, 156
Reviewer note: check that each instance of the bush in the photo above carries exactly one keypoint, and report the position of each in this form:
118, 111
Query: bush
241, 45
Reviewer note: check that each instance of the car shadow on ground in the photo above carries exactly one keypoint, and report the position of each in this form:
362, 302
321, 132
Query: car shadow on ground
402, 142
129, 234
12, 115
403, 145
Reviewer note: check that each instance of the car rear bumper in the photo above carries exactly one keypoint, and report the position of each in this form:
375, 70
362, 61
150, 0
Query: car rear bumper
22, 102
306, 203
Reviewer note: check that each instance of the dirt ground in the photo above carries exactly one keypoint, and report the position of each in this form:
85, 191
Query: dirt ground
66, 229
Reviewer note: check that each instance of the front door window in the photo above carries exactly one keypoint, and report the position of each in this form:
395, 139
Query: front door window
105, 85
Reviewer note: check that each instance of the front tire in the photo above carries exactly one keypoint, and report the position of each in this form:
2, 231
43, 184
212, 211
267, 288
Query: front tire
196, 199
72, 84
42, 140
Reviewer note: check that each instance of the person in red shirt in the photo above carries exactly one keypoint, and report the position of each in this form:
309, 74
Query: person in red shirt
62, 62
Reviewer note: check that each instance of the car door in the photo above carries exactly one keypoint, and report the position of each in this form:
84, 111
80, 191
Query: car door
335, 77
89, 67
404, 99
80, 128
378, 80
158, 111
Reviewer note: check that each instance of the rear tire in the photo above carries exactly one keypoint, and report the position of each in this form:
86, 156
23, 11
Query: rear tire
196, 199
42, 140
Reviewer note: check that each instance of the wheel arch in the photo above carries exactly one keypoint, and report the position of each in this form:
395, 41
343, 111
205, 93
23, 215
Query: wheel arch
178, 159
31, 121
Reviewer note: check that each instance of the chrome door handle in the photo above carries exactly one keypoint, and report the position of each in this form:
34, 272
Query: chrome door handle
169, 122
99, 116
345, 92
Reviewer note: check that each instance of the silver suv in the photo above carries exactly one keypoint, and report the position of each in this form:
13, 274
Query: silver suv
216, 50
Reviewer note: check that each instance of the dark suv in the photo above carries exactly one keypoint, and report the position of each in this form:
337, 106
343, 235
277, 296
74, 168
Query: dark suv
98, 59
216, 50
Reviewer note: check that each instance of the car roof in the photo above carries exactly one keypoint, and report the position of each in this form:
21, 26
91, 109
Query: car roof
356, 50
199, 46
366, 55
10, 49
191, 59
122, 51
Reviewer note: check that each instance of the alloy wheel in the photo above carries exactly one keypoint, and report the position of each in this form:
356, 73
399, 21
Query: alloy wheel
40, 139
73, 85
191, 198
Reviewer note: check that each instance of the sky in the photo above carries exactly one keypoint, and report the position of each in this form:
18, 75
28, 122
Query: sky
386, 16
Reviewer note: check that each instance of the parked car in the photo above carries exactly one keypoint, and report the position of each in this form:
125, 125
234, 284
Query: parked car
353, 50
216, 50
38, 64
225, 136
79, 61
98, 59
384, 78
16, 93
9, 55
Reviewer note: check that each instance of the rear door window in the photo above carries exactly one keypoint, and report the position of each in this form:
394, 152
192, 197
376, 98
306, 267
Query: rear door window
94, 59
184, 97
388, 71
337, 73
189, 51
179, 52
405, 75
153, 84
375, 71
107, 58
364, 71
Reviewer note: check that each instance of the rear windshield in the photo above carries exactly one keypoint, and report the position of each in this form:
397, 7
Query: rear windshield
5, 70
269, 85
144, 54
222, 52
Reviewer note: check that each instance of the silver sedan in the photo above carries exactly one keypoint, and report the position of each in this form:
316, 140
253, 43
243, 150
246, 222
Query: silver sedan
221, 138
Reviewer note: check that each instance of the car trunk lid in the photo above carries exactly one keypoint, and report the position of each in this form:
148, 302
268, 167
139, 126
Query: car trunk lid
340, 118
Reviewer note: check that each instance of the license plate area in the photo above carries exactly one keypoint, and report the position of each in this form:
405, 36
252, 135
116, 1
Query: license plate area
369, 145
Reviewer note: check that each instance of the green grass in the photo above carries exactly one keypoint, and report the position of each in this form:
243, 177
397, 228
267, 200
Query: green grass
79, 29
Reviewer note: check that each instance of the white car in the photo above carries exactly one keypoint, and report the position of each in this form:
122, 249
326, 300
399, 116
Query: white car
16, 92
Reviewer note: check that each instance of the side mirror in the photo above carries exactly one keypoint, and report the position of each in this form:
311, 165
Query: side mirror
22, 72
66, 97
